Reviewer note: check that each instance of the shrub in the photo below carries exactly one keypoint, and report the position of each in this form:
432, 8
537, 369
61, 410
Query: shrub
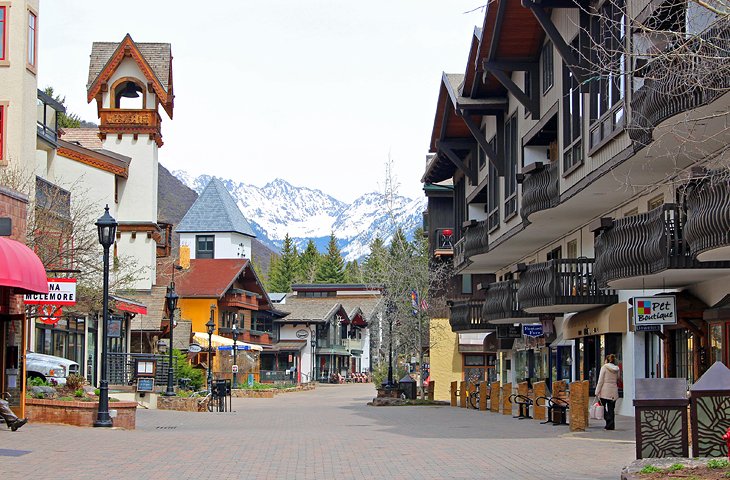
183, 369
650, 469
38, 382
79, 392
675, 467
97, 391
718, 463
75, 382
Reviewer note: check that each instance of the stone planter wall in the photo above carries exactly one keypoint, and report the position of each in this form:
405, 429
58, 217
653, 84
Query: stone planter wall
182, 404
80, 414
271, 392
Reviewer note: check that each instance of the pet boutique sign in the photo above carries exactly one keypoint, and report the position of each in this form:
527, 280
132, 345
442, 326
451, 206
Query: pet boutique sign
658, 310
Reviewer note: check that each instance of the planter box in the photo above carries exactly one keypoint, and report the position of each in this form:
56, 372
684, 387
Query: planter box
182, 404
253, 393
81, 414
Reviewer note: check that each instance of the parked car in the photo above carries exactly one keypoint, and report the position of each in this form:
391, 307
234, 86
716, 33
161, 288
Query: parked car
49, 367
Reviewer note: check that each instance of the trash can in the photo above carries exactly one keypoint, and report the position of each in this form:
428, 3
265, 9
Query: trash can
661, 418
407, 386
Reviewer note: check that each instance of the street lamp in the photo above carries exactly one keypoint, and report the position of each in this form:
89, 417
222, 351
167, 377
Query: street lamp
210, 326
171, 298
390, 310
234, 331
107, 227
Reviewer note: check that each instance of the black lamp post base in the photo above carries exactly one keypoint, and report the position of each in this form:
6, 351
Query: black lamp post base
102, 416
168, 394
107, 422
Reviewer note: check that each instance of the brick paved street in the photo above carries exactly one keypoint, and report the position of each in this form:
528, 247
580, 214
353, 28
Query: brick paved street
329, 433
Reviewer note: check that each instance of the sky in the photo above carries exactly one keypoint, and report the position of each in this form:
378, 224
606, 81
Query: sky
320, 93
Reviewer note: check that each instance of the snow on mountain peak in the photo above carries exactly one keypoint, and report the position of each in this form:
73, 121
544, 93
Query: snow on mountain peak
279, 208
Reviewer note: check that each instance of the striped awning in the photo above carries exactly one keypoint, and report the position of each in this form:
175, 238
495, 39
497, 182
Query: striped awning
218, 341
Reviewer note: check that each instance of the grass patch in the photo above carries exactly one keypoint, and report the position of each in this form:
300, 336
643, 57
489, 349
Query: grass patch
650, 469
718, 463
675, 467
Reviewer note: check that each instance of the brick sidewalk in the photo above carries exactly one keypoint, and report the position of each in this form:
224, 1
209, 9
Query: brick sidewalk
328, 433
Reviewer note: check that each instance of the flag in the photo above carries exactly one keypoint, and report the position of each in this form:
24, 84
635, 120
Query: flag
414, 301
424, 304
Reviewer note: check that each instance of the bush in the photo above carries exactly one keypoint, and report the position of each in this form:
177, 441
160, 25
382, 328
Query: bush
183, 369
675, 467
97, 391
718, 463
75, 382
650, 469
79, 392
38, 382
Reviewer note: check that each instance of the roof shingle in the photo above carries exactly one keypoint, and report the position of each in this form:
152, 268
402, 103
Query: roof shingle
209, 277
215, 210
157, 55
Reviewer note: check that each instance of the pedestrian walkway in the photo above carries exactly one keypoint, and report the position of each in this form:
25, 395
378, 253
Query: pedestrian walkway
328, 433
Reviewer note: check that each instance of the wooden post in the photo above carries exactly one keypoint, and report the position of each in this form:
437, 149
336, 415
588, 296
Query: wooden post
483, 396
506, 404
494, 397
431, 389
453, 394
579, 406
539, 412
462, 394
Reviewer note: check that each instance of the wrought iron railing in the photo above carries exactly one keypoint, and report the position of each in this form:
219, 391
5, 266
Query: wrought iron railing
562, 282
540, 189
708, 213
477, 239
689, 75
501, 302
278, 376
466, 315
121, 367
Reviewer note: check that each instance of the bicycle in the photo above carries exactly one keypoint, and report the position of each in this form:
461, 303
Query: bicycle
474, 397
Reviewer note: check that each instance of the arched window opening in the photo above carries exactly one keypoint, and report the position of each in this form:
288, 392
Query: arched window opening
128, 95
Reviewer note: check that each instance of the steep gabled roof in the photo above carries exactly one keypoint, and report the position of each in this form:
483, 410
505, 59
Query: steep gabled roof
312, 311
209, 278
215, 210
153, 59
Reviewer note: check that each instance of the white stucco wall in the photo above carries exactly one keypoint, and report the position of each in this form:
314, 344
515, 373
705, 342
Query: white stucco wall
226, 245
289, 332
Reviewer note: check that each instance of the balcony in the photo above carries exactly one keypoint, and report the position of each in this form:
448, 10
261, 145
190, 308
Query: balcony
466, 316
476, 238
693, 74
444, 242
540, 188
561, 286
240, 299
459, 254
502, 306
649, 251
118, 121
47, 110
708, 217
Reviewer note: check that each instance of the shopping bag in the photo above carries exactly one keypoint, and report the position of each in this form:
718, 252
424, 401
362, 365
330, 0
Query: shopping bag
596, 410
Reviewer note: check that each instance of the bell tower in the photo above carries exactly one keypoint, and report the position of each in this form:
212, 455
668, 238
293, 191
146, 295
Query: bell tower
130, 82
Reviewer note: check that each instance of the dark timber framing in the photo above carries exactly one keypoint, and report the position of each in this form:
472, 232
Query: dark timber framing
499, 71
494, 157
449, 147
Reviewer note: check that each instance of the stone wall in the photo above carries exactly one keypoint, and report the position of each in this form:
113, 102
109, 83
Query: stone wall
81, 414
182, 404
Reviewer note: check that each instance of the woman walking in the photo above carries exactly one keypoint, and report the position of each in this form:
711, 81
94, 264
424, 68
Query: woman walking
607, 390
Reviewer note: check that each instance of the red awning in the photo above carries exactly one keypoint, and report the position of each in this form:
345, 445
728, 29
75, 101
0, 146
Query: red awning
20, 268
127, 305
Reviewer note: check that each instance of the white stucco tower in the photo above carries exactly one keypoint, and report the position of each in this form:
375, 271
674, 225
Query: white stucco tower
129, 82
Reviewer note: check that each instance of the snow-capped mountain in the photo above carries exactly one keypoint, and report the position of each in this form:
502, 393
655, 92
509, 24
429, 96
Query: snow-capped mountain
279, 208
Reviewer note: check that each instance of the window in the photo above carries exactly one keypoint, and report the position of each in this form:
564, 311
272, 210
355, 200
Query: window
548, 73
32, 39
510, 177
493, 193
608, 31
632, 212
466, 287
555, 254
204, 246
3, 31
317, 294
572, 250
572, 118
655, 202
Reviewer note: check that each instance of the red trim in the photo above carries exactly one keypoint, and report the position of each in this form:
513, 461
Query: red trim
2, 130
3, 27
130, 307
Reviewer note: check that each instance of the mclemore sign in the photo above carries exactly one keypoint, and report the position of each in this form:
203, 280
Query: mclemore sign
61, 291
658, 310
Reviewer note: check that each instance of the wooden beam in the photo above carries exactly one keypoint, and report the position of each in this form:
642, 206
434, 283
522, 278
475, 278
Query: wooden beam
501, 7
476, 132
560, 3
500, 142
451, 155
553, 34
531, 104
508, 66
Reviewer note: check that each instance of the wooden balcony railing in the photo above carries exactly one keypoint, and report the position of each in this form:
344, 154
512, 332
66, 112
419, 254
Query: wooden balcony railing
708, 213
540, 188
466, 315
477, 239
501, 305
459, 253
690, 75
562, 285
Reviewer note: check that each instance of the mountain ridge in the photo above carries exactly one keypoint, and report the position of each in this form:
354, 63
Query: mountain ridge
306, 213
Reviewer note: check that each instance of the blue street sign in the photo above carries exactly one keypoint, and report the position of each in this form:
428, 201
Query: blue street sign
238, 347
532, 330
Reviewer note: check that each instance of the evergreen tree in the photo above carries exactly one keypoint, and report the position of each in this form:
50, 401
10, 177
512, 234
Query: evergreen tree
400, 247
283, 272
353, 273
374, 266
65, 120
308, 264
332, 267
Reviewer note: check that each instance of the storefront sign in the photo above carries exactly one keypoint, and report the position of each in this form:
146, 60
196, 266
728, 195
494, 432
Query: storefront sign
658, 310
648, 328
509, 331
49, 314
114, 328
145, 384
61, 291
532, 330
194, 348
302, 334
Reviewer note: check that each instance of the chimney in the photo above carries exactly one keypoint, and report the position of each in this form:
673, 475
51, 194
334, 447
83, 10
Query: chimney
185, 256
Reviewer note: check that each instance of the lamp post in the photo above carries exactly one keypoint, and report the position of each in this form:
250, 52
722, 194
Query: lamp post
210, 326
107, 227
390, 310
171, 298
234, 331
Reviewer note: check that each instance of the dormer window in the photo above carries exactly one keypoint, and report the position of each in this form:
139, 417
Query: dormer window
204, 246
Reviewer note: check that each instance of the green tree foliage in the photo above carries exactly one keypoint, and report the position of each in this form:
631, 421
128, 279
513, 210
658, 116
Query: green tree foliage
353, 274
374, 266
332, 267
65, 120
308, 264
283, 272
